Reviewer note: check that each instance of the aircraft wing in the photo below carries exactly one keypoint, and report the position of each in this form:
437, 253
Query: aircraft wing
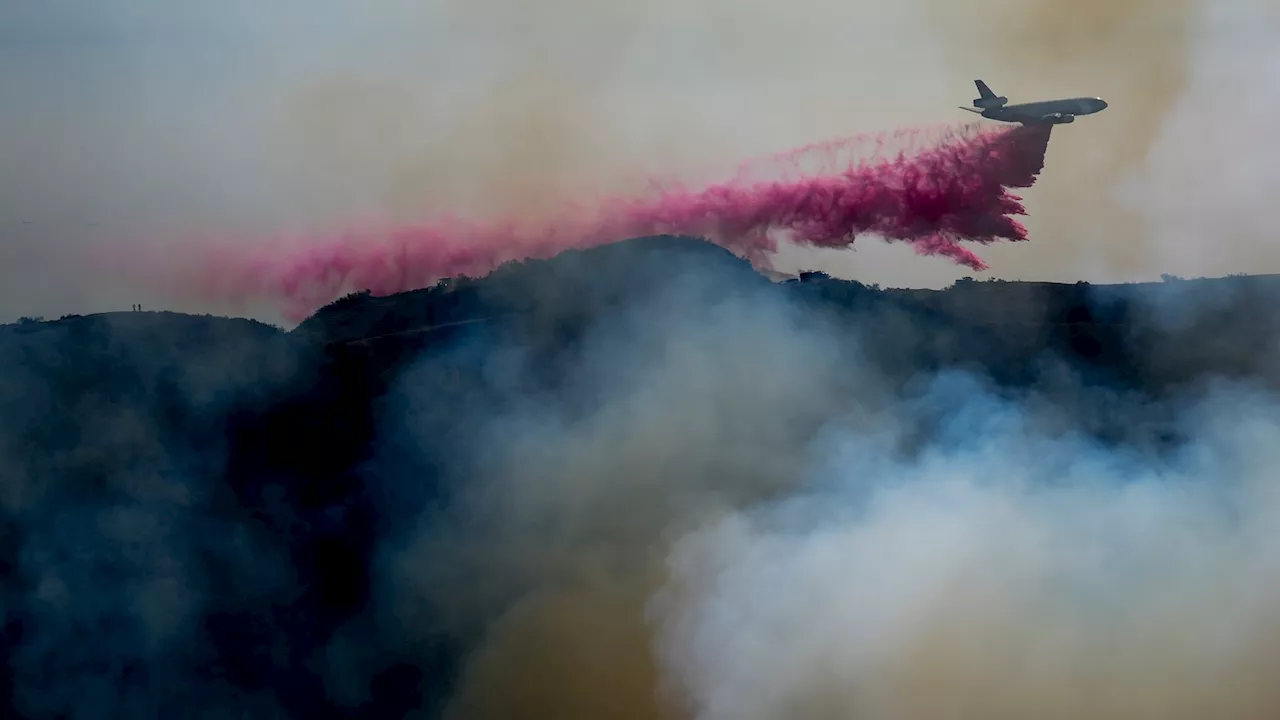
1056, 118
1052, 118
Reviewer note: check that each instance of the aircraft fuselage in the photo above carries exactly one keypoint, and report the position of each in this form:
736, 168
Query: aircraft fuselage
1051, 112
1046, 111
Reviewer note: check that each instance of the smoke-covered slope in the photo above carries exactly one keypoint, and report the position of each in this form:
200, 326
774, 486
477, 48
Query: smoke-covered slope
642, 479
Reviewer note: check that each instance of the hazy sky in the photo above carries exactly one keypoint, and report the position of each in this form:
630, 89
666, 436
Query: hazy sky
136, 118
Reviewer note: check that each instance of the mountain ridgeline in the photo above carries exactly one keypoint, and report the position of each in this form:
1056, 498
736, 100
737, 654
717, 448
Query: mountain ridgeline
213, 517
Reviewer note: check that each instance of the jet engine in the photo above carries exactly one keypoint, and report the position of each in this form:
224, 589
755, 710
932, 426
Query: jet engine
991, 102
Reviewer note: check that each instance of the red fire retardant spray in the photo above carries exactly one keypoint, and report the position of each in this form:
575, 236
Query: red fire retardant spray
956, 190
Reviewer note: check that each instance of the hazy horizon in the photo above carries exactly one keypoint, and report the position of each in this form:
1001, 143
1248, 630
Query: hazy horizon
145, 119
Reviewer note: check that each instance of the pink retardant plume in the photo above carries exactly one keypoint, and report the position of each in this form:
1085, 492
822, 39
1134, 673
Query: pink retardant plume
934, 199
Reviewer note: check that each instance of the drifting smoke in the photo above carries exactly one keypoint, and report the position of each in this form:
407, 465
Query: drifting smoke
712, 503
1006, 573
933, 200
753, 520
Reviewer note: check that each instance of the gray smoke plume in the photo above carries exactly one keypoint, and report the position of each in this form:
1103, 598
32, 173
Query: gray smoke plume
999, 571
733, 511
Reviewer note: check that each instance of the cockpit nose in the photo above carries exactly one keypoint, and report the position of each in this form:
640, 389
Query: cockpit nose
1102, 104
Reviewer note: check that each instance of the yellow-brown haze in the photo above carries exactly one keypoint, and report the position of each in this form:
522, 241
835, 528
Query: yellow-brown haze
1133, 53
569, 97
755, 78
1206, 188
294, 116
1172, 178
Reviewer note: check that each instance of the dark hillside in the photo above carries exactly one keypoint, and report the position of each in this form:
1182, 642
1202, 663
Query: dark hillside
200, 513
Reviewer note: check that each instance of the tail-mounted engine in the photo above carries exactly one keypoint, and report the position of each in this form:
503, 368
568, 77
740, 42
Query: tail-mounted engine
991, 102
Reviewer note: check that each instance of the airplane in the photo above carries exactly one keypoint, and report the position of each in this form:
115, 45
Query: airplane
1051, 112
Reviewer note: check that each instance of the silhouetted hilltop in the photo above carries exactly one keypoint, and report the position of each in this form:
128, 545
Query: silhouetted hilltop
570, 284
201, 512
997, 325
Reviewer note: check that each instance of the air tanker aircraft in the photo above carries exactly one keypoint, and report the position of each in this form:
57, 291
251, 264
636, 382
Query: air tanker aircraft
1050, 112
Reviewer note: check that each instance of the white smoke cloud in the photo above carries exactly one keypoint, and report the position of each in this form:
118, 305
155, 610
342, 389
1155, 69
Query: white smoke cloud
734, 509
1001, 571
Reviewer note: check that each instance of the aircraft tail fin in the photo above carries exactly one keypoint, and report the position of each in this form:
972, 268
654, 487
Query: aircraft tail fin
986, 98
